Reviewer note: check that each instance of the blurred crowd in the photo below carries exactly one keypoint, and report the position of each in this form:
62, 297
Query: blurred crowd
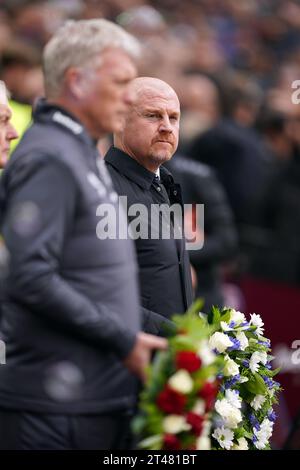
232, 64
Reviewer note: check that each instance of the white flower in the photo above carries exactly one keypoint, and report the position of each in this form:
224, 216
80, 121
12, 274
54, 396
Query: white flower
256, 358
199, 407
253, 365
237, 317
181, 381
205, 353
203, 443
231, 368
262, 355
264, 434
267, 427
242, 338
232, 396
243, 379
261, 443
224, 437
173, 424
262, 439
220, 342
229, 413
206, 427
222, 407
257, 402
225, 326
233, 418
257, 321
242, 444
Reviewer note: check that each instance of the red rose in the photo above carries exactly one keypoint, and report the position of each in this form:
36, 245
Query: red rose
171, 442
196, 421
208, 393
171, 401
188, 360
209, 390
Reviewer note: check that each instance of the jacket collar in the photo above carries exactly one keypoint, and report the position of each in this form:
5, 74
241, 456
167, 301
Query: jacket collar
48, 112
130, 168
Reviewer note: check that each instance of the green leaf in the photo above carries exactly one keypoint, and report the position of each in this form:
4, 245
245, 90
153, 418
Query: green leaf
226, 314
274, 372
214, 316
138, 424
239, 432
256, 385
196, 307
247, 434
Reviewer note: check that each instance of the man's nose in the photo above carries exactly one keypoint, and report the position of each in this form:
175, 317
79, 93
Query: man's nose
165, 125
12, 133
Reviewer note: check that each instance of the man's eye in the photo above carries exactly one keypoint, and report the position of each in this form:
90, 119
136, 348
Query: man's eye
174, 118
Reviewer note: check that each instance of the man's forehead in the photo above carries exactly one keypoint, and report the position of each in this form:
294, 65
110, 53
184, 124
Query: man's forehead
5, 110
3, 97
112, 57
157, 99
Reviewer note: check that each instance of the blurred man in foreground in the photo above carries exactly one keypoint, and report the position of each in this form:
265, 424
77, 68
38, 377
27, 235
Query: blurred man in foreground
71, 319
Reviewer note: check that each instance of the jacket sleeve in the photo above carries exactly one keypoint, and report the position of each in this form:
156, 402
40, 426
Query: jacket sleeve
40, 207
155, 324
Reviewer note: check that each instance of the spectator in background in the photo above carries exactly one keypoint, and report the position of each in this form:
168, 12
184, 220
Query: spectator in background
200, 186
7, 130
71, 316
21, 70
272, 244
7, 135
236, 152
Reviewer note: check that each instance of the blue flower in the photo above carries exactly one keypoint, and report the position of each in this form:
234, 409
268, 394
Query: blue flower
275, 384
254, 422
232, 324
231, 382
272, 415
236, 344
268, 381
265, 343
268, 366
245, 363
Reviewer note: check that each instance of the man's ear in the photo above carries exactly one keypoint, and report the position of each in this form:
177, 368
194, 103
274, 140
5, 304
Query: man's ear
76, 82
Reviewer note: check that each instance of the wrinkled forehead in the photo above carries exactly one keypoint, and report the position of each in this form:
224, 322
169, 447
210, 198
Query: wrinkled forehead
5, 111
156, 97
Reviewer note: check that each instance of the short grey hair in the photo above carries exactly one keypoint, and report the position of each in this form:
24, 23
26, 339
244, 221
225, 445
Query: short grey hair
76, 43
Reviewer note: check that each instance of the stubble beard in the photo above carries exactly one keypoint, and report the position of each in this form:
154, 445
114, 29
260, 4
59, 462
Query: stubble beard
160, 158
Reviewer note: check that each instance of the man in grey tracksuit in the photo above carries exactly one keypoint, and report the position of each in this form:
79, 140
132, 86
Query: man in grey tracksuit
71, 318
